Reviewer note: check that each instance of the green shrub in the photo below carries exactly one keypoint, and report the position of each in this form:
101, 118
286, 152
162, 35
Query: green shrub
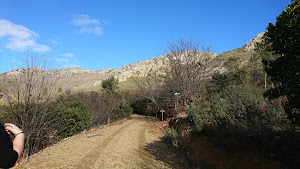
47, 122
139, 106
75, 116
275, 113
122, 111
59, 90
171, 136
237, 108
41, 121
4, 115
244, 105
209, 115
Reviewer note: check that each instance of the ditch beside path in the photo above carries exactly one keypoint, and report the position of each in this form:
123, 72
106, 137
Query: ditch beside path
133, 143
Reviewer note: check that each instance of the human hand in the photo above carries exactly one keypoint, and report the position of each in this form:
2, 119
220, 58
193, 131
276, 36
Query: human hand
11, 128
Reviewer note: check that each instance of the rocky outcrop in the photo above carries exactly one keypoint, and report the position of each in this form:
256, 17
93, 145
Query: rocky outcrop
250, 46
22, 70
70, 71
140, 68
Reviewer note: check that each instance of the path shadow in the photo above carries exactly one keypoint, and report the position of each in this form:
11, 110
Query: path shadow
172, 156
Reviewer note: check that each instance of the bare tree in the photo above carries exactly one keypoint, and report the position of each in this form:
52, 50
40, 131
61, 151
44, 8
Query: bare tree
150, 85
189, 66
29, 93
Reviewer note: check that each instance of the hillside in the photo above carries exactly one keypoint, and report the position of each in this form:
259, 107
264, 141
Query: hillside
77, 78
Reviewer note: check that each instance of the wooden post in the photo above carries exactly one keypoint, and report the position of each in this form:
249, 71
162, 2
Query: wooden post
162, 114
265, 80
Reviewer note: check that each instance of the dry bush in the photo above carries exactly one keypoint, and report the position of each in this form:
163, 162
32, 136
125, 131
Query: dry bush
96, 105
189, 65
29, 94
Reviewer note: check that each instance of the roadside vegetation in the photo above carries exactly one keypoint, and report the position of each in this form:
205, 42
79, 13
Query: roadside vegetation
47, 114
254, 102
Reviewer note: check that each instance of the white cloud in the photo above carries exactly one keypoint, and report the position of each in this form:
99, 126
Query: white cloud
83, 20
87, 25
70, 55
67, 60
60, 60
19, 37
92, 30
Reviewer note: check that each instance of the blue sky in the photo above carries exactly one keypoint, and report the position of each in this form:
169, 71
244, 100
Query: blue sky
101, 34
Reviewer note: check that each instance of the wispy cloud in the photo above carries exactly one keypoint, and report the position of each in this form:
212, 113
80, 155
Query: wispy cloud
87, 24
18, 37
67, 60
60, 60
53, 42
69, 55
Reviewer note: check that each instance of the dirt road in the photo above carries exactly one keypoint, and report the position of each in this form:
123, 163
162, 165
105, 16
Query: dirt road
133, 143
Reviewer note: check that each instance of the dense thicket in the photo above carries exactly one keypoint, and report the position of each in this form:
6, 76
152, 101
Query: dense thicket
60, 118
236, 103
75, 115
283, 39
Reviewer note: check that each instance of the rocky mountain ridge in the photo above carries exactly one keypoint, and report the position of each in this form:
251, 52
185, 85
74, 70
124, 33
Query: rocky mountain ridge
77, 78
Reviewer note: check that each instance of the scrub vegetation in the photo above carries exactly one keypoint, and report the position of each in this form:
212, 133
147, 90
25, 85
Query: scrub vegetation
34, 102
241, 97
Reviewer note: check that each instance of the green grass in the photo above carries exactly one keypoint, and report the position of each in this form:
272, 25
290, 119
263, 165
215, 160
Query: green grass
90, 89
239, 52
128, 85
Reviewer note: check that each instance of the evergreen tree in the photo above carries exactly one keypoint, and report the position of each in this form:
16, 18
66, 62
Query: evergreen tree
284, 38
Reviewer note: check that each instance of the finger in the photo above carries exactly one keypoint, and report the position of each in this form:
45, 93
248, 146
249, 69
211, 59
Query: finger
9, 124
7, 130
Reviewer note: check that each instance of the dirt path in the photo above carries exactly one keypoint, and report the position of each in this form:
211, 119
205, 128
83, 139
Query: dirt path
134, 143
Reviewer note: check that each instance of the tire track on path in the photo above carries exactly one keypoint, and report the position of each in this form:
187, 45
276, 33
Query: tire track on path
147, 160
130, 144
89, 160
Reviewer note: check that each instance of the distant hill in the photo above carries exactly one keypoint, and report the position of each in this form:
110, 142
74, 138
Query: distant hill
77, 78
